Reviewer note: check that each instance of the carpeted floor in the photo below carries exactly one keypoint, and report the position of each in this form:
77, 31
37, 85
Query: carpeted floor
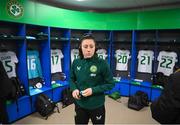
116, 113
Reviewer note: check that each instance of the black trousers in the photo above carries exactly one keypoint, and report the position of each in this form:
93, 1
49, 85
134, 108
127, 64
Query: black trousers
82, 115
3, 112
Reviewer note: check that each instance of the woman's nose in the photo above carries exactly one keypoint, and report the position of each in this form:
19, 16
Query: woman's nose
88, 49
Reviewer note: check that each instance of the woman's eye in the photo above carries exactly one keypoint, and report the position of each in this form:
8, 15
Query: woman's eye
91, 46
85, 46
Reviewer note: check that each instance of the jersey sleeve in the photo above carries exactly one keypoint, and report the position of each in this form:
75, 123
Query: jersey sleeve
14, 57
105, 55
129, 55
139, 54
61, 54
108, 83
176, 60
152, 53
115, 55
38, 63
159, 56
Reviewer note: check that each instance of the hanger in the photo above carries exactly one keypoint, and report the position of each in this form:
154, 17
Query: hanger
3, 47
31, 47
54, 46
146, 47
170, 45
99, 46
76, 45
168, 48
122, 48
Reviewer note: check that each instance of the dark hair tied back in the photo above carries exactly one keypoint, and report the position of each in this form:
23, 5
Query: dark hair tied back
85, 36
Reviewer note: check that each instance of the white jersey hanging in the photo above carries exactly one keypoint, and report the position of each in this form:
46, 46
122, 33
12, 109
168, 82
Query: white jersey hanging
74, 54
167, 62
9, 60
56, 56
145, 58
122, 57
101, 53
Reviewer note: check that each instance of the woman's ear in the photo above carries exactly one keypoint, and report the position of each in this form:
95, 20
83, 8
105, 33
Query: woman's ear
80, 52
96, 49
80, 45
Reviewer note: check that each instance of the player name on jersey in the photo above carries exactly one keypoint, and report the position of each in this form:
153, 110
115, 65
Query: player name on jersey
122, 57
167, 62
34, 66
145, 58
56, 56
9, 60
74, 54
101, 53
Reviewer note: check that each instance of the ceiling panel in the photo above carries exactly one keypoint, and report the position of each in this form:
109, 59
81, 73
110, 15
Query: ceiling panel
112, 5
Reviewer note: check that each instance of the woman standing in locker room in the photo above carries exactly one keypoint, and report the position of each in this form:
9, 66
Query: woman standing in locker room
90, 77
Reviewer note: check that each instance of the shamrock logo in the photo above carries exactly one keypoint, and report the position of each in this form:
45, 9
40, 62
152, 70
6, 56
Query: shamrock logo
15, 9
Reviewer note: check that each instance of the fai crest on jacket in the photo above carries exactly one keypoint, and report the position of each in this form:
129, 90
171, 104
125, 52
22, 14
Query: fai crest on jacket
93, 68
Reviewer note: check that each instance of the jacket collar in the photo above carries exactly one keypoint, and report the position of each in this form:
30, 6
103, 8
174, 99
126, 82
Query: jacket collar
94, 57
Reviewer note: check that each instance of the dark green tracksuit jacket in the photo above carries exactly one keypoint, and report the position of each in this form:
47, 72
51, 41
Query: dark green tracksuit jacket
91, 73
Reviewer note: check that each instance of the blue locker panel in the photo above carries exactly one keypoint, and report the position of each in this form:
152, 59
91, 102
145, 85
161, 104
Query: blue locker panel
156, 92
134, 88
133, 56
63, 83
45, 57
24, 106
67, 55
124, 88
33, 101
57, 90
147, 90
57, 94
114, 89
22, 64
38, 91
146, 87
12, 111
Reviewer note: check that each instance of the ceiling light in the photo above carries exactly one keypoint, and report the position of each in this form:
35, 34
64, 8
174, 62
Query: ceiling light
80, 0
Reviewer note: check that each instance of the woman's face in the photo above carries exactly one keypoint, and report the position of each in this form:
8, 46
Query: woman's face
88, 48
